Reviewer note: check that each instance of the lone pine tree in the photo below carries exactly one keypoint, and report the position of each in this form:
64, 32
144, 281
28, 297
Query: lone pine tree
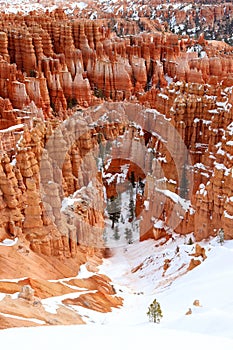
221, 236
128, 235
116, 234
154, 312
131, 209
184, 183
114, 209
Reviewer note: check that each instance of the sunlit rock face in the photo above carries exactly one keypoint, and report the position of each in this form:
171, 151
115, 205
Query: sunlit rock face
116, 126
97, 113
58, 62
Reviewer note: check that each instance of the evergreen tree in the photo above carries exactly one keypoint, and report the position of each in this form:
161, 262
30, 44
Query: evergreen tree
131, 209
221, 236
141, 185
128, 235
184, 184
116, 233
154, 312
108, 147
101, 154
114, 210
132, 179
190, 241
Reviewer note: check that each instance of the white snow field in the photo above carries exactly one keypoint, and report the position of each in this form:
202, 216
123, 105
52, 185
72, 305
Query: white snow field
209, 326
106, 337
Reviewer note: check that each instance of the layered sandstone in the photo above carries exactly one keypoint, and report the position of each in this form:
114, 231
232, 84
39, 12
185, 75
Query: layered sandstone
163, 136
67, 63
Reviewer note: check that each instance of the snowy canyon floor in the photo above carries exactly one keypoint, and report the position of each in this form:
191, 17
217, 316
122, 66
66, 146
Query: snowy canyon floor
141, 272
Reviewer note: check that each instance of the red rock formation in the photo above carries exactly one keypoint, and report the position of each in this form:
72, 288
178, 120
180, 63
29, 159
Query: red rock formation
50, 64
173, 91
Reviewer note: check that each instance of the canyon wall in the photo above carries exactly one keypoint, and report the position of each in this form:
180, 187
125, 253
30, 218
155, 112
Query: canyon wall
54, 67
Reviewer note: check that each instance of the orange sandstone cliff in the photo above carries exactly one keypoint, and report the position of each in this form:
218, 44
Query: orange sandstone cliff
89, 107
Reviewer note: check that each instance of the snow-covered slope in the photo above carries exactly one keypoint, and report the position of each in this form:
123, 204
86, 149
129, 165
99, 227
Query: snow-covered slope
176, 289
139, 276
106, 337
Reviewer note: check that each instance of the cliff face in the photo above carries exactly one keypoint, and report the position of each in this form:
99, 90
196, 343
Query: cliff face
58, 63
65, 60
203, 117
115, 125
52, 66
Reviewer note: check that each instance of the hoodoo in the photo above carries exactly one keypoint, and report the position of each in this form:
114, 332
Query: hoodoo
116, 126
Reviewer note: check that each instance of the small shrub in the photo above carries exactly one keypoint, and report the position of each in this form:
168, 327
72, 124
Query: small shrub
129, 235
99, 137
116, 233
98, 93
190, 241
71, 102
52, 105
221, 237
33, 73
154, 312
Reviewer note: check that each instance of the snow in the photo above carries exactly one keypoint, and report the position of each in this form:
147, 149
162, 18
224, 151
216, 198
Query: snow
69, 202
205, 283
229, 143
203, 54
168, 79
35, 320
138, 276
220, 166
83, 272
14, 162
81, 5
200, 166
188, 7
230, 128
176, 198
146, 205
9, 242
99, 337
124, 224
202, 190
228, 216
159, 224
165, 97
222, 104
221, 151
12, 128
209, 325
14, 6
213, 111
53, 303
